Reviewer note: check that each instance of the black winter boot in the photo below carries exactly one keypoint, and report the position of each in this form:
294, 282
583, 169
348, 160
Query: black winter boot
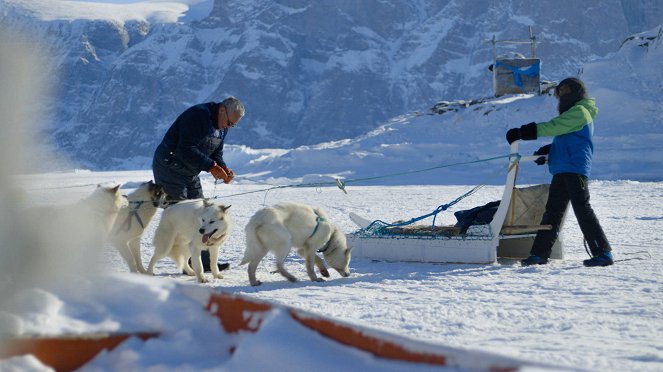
604, 259
534, 260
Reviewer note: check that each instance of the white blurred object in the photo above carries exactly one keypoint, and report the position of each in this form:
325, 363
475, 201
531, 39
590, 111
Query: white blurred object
46, 246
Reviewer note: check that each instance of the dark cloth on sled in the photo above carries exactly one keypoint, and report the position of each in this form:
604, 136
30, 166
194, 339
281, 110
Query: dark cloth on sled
480, 215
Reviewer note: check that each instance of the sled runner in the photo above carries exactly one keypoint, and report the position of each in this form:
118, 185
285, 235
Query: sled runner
509, 233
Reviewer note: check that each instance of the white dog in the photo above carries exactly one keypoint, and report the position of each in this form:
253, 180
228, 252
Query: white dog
72, 234
286, 225
133, 220
90, 220
188, 228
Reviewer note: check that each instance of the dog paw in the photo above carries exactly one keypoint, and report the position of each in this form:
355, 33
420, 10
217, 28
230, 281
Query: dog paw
256, 283
319, 280
324, 273
203, 280
218, 276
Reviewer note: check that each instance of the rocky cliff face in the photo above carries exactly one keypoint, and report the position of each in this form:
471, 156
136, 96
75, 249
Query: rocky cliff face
308, 71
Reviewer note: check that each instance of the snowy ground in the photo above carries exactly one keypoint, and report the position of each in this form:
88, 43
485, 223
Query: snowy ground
561, 314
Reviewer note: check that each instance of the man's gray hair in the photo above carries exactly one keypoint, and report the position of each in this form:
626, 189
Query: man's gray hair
232, 104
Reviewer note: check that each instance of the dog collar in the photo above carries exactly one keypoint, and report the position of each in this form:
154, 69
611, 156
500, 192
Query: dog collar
324, 247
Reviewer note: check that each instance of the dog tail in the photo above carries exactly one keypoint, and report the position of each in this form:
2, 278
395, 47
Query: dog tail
253, 244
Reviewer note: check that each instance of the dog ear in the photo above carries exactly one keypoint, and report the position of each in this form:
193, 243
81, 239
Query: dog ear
207, 203
153, 186
224, 208
114, 189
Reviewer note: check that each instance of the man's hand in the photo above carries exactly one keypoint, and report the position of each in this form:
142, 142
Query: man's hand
230, 173
526, 132
219, 173
545, 150
512, 135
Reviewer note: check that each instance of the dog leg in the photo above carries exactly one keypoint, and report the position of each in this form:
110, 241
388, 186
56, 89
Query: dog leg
278, 239
280, 267
253, 265
321, 266
134, 246
163, 242
213, 259
310, 269
252, 273
182, 264
180, 254
126, 255
187, 269
159, 253
197, 262
155, 258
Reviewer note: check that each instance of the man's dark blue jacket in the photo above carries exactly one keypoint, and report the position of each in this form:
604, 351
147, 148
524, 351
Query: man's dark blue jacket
194, 139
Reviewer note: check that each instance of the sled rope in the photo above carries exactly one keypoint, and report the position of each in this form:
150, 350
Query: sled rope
377, 227
341, 184
64, 187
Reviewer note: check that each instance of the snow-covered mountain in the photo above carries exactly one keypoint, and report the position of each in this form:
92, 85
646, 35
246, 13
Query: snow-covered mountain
628, 87
308, 71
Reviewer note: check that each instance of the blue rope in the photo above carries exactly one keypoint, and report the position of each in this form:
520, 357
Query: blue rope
380, 229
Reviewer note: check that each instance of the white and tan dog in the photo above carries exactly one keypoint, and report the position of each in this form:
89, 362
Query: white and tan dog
188, 228
133, 220
85, 224
280, 227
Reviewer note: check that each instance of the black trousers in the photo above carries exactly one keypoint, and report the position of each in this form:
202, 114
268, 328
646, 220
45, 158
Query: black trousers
565, 188
178, 182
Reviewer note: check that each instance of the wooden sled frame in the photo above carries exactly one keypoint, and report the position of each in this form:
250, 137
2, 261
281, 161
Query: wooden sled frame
480, 244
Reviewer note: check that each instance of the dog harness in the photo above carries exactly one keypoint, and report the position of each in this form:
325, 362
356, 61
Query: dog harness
318, 219
133, 213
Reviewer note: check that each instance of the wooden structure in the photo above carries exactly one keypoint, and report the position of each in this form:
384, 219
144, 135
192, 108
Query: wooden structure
516, 75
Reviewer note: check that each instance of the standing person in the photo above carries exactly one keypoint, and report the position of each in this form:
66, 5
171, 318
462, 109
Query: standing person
194, 144
569, 161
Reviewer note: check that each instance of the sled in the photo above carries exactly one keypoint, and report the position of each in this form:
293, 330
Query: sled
510, 234
242, 318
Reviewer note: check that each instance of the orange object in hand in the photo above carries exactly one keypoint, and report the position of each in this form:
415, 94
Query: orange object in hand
219, 173
230, 173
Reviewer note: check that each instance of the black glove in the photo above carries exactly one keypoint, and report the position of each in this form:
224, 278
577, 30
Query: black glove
545, 150
512, 135
525, 132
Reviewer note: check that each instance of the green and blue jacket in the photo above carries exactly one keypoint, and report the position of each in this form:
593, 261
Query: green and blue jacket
572, 147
